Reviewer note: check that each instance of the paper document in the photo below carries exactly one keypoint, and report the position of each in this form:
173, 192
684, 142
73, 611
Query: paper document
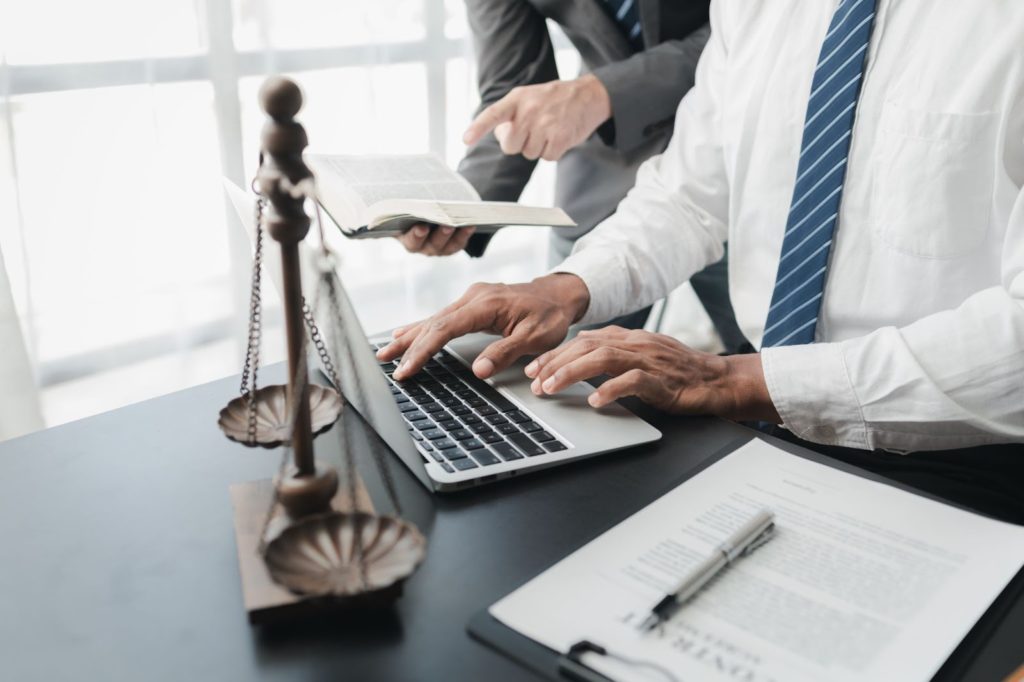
862, 581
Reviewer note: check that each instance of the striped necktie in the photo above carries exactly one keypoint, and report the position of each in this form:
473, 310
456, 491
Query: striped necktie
800, 281
627, 15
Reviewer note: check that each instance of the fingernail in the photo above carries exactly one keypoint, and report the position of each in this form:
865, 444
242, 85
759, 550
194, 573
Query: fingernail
549, 384
447, 230
421, 231
535, 387
483, 367
531, 369
594, 400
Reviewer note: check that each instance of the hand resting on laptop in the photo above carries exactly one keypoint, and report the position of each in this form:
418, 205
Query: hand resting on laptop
535, 318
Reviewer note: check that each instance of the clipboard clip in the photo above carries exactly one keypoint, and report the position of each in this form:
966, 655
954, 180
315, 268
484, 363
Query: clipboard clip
572, 667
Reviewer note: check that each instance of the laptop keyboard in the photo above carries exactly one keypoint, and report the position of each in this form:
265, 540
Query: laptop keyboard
461, 421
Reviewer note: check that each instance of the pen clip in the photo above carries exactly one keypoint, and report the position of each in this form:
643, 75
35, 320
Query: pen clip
767, 534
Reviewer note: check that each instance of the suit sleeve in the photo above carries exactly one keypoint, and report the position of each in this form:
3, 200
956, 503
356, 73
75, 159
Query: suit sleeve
513, 48
646, 89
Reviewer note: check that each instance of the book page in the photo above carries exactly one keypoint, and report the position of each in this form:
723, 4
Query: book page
504, 213
862, 581
384, 214
361, 181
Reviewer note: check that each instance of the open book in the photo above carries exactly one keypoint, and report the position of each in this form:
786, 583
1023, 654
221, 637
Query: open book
377, 196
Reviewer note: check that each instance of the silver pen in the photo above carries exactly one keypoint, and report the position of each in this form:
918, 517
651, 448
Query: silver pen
751, 535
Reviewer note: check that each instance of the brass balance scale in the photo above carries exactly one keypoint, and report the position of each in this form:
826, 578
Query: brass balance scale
309, 540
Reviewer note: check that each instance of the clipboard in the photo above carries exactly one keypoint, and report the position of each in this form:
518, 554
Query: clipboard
546, 662
560, 667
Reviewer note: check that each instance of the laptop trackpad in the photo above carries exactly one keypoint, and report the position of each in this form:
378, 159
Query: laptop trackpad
568, 414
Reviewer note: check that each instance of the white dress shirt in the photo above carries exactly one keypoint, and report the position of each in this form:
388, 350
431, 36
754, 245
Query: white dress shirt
920, 341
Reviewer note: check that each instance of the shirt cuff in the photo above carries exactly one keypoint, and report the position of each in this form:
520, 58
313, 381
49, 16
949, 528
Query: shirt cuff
812, 392
601, 270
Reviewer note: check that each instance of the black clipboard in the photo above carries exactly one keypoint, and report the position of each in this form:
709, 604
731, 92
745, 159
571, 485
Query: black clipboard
546, 662
558, 667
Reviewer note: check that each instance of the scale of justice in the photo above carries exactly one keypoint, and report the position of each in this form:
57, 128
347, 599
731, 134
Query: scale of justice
310, 540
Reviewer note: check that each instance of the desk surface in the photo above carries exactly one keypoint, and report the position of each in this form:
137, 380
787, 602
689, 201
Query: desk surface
118, 558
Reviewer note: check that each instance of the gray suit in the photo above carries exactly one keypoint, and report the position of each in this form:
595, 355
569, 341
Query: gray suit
513, 48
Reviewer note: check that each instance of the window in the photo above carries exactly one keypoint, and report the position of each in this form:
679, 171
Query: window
128, 269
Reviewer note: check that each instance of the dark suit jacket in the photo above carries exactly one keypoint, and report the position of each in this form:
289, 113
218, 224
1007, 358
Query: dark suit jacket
513, 48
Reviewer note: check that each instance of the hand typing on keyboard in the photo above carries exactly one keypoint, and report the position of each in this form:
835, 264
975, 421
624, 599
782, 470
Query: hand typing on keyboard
532, 318
659, 370
535, 318
462, 422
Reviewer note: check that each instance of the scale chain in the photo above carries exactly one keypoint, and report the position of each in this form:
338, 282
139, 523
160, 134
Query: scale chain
318, 343
250, 369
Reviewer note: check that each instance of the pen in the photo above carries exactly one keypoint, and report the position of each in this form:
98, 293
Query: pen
751, 535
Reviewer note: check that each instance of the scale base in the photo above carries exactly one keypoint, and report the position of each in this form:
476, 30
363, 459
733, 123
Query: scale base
266, 601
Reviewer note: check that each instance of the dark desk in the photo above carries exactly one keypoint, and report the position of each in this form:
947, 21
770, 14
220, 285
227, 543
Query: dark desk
117, 557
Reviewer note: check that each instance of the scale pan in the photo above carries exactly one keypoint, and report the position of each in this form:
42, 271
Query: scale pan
272, 426
318, 555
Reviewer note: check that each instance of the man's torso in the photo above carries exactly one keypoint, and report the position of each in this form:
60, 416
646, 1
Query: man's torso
935, 166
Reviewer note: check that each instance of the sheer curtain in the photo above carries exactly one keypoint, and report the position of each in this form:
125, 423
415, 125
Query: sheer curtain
118, 120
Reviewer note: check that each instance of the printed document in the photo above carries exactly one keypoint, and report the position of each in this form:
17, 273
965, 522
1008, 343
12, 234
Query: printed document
861, 581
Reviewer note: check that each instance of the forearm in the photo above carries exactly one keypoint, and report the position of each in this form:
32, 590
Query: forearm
661, 234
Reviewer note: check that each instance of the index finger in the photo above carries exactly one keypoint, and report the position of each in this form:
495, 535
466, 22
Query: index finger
439, 330
402, 338
488, 119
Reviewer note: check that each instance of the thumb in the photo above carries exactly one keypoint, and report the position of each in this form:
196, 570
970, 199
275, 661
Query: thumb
499, 112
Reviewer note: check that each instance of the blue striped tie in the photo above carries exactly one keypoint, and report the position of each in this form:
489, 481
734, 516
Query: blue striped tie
626, 13
800, 281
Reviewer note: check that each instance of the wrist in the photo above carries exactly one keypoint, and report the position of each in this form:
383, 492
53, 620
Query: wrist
569, 290
744, 383
599, 102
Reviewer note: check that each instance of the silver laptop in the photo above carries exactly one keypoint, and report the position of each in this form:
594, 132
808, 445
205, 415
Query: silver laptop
452, 429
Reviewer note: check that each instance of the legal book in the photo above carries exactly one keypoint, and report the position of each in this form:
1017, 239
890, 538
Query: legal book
384, 195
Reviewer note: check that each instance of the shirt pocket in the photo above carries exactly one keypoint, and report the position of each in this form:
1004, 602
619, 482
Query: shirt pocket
933, 181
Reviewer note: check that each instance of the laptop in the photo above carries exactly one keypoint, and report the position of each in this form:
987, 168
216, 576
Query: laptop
450, 428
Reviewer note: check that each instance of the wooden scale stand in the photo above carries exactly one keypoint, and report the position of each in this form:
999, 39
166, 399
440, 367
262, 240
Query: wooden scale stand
305, 543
